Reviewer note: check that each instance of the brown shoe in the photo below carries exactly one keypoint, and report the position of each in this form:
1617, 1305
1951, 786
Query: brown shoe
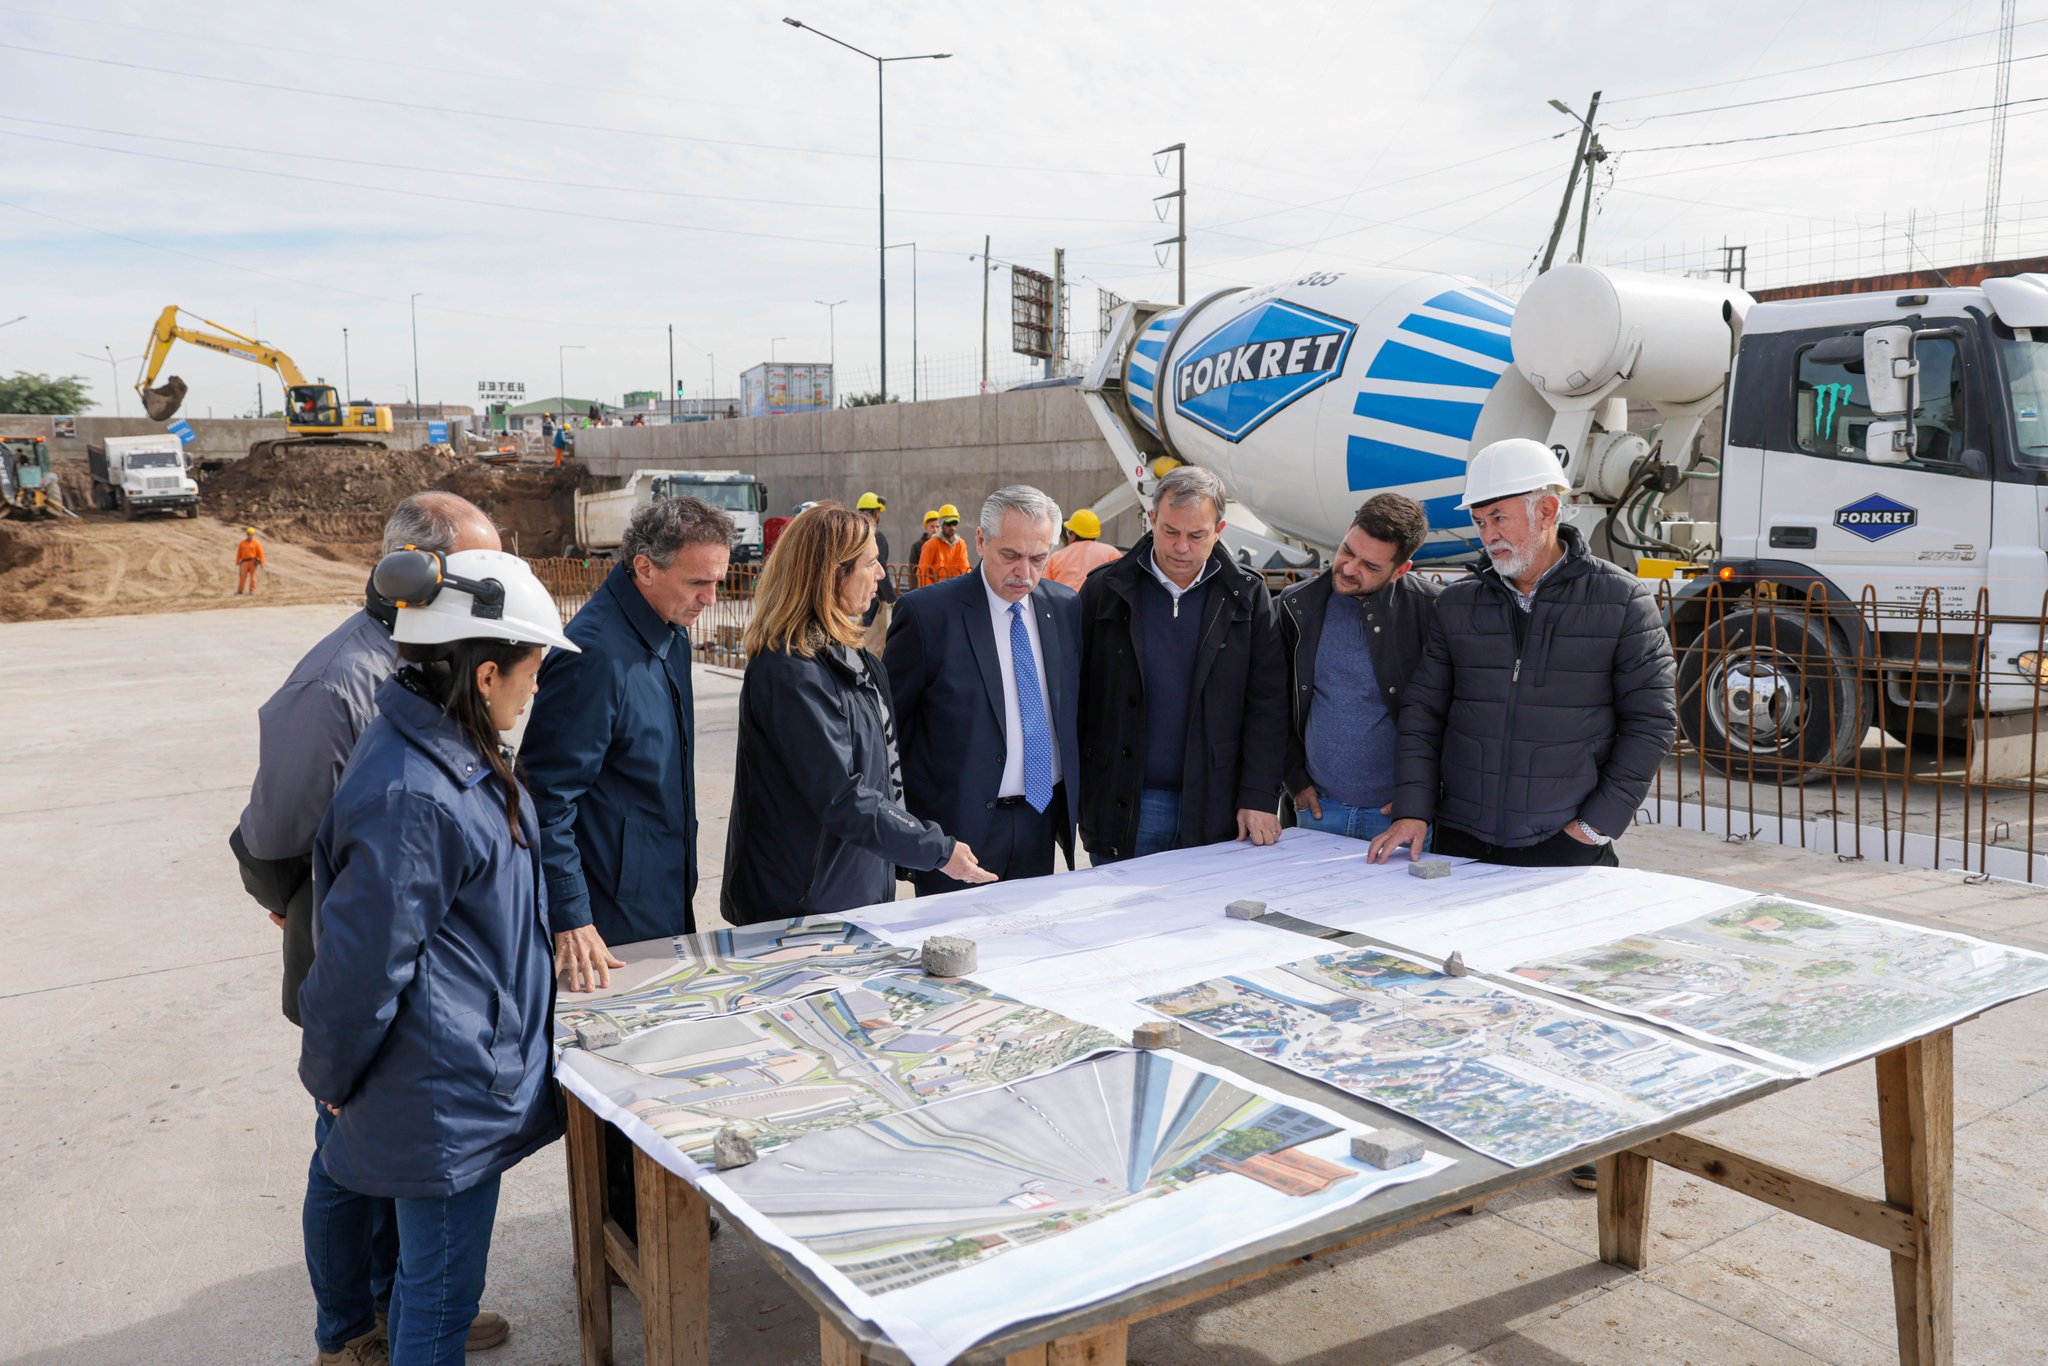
486, 1330
367, 1350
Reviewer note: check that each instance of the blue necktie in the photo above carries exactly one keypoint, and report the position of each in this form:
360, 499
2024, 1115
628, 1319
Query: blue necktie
1031, 718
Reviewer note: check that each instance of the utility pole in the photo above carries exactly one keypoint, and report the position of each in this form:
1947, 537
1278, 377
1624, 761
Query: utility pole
1059, 312
671, 374
986, 270
1595, 154
346, 382
416, 357
2004, 91
1180, 195
1578, 160
831, 335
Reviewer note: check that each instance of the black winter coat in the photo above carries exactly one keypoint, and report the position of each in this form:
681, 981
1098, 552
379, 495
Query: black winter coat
1237, 713
1398, 613
1518, 723
818, 823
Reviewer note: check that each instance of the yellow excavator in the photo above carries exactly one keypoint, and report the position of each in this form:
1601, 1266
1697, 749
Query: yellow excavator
315, 414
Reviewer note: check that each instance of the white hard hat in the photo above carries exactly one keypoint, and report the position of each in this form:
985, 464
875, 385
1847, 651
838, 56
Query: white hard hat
468, 595
1505, 468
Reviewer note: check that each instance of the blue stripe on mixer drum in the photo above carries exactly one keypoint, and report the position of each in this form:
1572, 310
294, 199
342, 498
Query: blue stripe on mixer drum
1454, 302
1440, 417
1371, 464
1154, 349
1411, 365
1494, 344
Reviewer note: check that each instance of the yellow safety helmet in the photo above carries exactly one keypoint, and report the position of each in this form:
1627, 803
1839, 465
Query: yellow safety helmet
248, 531
931, 516
870, 502
1085, 524
948, 513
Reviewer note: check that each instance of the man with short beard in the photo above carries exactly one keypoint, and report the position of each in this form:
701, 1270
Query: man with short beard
1544, 700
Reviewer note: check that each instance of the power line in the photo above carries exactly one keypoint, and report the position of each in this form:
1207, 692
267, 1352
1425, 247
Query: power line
1814, 94
1817, 66
534, 121
549, 181
1836, 128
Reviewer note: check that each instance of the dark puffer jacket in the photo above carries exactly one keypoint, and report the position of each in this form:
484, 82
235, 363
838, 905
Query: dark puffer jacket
1518, 723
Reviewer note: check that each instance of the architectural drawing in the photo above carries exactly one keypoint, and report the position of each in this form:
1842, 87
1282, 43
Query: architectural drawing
1795, 981
1517, 1078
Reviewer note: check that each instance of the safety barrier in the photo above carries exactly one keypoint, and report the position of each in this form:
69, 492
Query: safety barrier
1895, 732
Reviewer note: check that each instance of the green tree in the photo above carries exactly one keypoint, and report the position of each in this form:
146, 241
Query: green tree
868, 400
1242, 1143
36, 393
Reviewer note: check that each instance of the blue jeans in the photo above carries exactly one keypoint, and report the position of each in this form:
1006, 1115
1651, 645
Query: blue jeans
1158, 821
444, 1246
351, 1250
1353, 822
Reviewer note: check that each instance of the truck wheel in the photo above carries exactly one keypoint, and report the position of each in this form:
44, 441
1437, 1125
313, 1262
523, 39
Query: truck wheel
192, 513
128, 513
1771, 697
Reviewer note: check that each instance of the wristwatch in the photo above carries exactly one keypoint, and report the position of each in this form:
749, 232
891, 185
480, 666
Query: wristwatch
1594, 835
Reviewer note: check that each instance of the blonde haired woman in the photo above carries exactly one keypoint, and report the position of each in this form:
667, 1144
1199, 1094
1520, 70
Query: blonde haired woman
818, 823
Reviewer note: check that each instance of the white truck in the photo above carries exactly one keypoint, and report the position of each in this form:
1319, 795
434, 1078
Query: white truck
134, 475
601, 517
1883, 464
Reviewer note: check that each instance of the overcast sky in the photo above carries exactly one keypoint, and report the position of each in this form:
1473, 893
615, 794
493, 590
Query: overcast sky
586, 175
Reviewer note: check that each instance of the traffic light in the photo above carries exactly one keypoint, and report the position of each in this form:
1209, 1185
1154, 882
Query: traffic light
679, 388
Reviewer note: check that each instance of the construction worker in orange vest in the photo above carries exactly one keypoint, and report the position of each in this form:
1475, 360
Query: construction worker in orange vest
945, 555
1083, 553
248, 559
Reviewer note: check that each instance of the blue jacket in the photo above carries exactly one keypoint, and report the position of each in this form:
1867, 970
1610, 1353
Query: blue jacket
950, 717
427, 1013
610, 757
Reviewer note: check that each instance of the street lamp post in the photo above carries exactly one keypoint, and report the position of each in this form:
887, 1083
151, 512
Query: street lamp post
561, 387
415, 302
113, 370
12, 321
831, 334
913, 313
711, 380
881, 183
346, 383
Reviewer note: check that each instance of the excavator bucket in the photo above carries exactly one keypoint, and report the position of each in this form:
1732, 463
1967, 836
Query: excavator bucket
164, 400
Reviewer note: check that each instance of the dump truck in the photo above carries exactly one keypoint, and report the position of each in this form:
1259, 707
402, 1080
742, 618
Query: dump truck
601, 517
1880, 467
137, 475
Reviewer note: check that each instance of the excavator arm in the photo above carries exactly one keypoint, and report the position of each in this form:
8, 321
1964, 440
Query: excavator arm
162, 402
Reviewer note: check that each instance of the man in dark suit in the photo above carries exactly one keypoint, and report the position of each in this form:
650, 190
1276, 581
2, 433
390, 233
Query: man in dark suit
986, 672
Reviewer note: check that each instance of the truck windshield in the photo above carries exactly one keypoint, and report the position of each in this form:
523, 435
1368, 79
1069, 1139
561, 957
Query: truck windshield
2026, 381
152, 460
731, 497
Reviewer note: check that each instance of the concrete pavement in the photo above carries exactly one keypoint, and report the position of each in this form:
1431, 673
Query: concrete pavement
154, 1139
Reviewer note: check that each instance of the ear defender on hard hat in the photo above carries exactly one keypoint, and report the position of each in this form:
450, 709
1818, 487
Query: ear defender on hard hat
413, 578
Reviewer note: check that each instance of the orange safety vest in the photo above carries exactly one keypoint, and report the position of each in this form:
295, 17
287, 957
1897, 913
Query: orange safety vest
1071, 564
249, 549
938, 561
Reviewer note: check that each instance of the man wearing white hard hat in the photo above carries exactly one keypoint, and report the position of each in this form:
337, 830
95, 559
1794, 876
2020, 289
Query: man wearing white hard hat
1544, 701
427, 1018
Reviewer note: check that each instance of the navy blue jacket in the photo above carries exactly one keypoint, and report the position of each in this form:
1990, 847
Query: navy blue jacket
610, 755
427, 1013
949, 717
818, 824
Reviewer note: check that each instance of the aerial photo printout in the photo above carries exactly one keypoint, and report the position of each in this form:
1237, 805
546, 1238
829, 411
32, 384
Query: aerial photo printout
893, 1043
1517, 1078
1796, 982
696, 976
947, 1223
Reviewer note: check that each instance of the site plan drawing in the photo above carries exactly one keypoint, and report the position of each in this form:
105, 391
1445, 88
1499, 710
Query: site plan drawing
972, 1214
1785, 980
1515, 1077
893, 1043
697, 976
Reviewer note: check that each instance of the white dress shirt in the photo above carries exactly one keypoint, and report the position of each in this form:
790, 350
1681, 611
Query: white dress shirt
1013, 727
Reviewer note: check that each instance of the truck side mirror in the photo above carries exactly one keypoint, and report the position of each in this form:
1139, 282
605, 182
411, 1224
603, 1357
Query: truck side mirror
1891, 373
1889, 442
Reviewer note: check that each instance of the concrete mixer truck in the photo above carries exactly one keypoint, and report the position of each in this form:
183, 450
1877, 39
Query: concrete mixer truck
1876, 554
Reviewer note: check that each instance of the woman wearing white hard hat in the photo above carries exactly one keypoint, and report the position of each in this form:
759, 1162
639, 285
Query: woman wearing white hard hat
427, 1012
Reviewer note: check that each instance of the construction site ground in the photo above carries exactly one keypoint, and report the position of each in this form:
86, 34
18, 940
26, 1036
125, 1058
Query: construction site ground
319, 512
156, 1140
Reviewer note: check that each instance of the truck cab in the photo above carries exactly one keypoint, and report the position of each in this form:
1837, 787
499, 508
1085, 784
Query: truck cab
135, 475
1883, 513
742, 497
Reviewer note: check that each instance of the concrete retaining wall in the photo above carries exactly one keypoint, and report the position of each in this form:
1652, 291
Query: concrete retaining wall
916, 455
219, 438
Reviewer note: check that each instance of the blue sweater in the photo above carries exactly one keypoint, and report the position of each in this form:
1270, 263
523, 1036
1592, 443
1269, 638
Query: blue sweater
1350, 739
